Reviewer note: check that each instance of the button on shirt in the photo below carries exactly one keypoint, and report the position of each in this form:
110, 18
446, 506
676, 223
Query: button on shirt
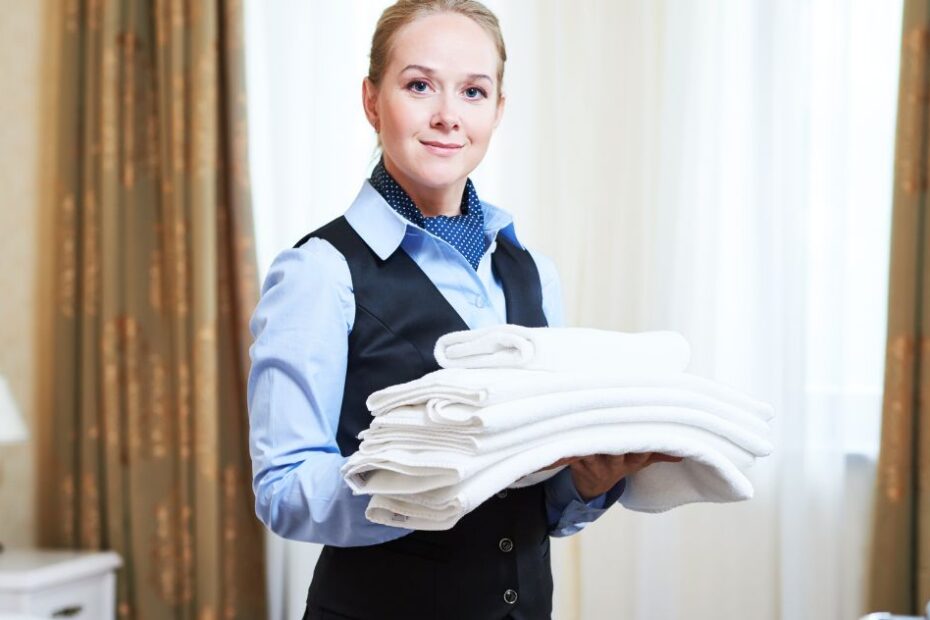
299, 354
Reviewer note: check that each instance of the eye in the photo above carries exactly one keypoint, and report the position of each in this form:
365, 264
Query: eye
418, 86
473, 92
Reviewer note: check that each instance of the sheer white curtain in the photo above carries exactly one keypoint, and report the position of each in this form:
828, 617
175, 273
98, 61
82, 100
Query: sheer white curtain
722, 168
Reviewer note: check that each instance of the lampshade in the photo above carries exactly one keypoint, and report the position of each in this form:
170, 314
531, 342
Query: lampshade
12, 428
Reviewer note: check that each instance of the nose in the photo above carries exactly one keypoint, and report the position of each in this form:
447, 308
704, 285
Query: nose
445, 116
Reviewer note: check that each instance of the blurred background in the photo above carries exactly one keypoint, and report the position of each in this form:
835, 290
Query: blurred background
751, 174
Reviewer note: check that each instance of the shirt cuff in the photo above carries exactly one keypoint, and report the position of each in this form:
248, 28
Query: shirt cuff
567, 511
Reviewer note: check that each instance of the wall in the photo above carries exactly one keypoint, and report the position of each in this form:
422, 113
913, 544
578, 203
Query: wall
28, 63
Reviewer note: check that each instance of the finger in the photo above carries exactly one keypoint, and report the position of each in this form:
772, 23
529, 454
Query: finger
665, 458
587, 466
592, 460
611, 466
617, 465
563, 461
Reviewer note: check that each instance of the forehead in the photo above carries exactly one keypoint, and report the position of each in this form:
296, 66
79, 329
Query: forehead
447, 42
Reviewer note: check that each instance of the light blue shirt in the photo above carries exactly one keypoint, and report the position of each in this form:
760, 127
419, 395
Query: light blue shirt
299, 358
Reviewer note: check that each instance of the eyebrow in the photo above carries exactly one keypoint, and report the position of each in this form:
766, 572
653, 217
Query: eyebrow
428, 71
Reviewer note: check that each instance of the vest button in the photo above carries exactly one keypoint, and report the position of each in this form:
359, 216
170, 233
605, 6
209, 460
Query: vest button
510, 596
502, 494
505, 545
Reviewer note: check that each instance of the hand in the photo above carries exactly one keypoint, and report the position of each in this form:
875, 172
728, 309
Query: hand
561, 462
596, 474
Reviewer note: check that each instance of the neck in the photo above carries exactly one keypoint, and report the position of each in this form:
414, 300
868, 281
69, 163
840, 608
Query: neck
431, 201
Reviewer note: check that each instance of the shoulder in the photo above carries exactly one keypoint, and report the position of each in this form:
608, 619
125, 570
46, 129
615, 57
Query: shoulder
548, 274
500, 222
310, 280
551, 288
314, 261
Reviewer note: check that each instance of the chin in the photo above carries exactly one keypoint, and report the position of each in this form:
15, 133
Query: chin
441, 173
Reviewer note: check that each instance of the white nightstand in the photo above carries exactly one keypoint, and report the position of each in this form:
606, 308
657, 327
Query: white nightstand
59, 584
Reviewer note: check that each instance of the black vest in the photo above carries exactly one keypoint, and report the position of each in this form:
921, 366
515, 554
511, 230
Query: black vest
495, 562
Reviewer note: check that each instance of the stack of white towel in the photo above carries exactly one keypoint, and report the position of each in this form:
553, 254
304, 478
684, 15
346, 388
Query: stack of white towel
511, 400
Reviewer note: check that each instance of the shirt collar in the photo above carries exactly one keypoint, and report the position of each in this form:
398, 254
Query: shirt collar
464, 231
383, 229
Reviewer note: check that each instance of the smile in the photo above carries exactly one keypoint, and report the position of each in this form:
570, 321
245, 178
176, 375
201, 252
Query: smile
440, 148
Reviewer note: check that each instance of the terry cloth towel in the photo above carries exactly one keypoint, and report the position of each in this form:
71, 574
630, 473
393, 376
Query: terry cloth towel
711, 472
483, 388
431, 438
396, 470
563, 349
443, 416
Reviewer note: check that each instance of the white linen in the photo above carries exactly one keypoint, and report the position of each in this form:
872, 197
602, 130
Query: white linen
482, 387
403, 472
710, 472
431, 438
440, 445
563, 349
442, 414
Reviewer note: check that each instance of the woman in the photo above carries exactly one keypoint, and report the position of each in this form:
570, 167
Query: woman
358, 305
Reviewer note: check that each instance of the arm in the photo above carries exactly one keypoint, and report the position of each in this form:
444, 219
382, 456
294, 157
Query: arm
300, 330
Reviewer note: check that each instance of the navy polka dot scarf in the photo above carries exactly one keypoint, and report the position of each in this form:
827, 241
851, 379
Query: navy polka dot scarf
464, 232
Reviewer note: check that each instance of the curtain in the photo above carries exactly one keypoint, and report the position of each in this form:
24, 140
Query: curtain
721, 168
899, 575
156, 278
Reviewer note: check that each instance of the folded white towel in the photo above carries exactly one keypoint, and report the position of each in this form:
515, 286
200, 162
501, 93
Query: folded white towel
402, 472
443, 415
563, 348
506, 435
511, 400
709, 473
482, 388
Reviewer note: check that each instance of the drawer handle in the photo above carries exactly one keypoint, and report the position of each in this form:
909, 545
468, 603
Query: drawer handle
67, 612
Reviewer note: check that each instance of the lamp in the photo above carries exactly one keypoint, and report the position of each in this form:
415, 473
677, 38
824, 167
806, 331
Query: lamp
12, 428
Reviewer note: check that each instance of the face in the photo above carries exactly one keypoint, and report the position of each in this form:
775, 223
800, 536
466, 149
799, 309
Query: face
437, 104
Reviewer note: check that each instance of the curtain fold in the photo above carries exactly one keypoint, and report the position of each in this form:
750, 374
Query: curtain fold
899, 569
156, 281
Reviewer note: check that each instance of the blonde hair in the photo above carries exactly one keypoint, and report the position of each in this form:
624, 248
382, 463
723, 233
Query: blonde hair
404, 12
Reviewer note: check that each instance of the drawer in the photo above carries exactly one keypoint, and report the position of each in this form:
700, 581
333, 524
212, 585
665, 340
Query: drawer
89, 598
59, 583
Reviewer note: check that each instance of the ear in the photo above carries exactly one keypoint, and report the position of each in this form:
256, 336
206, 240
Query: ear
499, 113
370, 103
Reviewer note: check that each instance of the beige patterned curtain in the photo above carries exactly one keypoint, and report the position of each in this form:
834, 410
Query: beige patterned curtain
156, 283
899, 578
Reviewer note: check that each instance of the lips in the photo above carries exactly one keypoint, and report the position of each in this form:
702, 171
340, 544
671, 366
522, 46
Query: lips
441, 149
441, 145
